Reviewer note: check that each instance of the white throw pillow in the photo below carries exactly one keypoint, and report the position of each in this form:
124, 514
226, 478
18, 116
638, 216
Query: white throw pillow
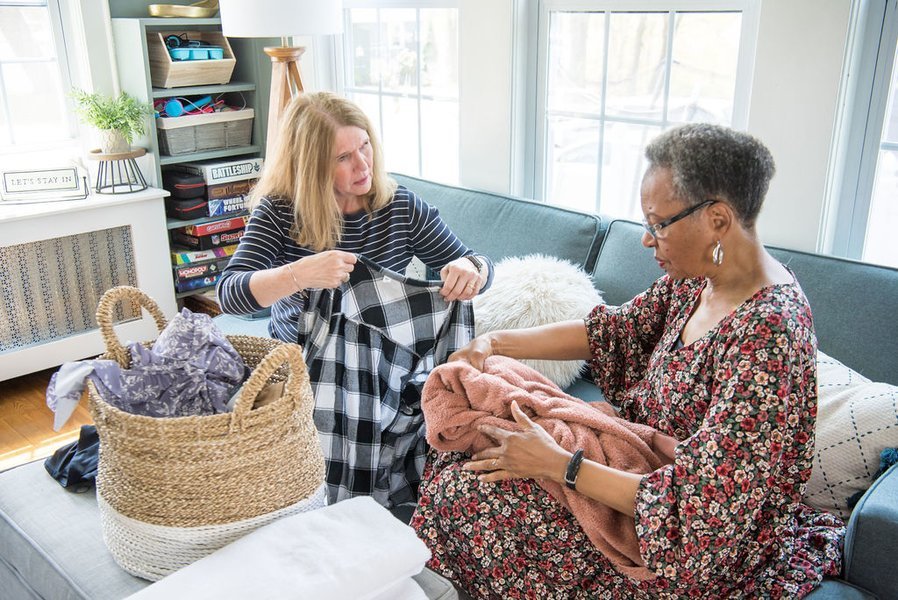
856, 420
537, 290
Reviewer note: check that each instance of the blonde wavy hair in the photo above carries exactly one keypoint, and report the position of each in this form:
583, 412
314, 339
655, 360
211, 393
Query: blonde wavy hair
302, 167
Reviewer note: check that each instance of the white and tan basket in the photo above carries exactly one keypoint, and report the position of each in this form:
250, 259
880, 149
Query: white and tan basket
172, 490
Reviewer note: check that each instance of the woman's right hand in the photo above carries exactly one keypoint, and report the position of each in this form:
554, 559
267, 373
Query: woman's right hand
475, 352
324, 270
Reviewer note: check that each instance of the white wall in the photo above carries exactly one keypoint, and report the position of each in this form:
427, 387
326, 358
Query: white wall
798, 67
485, 93
99, 71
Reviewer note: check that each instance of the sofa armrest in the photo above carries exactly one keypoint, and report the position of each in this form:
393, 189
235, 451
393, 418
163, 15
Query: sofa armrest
871, 540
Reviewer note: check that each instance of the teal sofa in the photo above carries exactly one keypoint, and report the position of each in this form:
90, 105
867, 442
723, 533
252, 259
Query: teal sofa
853, 303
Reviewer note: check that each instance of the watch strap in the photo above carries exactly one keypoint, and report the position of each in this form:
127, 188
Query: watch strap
573, 469
477, 262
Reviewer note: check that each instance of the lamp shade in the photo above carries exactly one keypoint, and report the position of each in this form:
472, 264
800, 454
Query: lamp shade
280, 18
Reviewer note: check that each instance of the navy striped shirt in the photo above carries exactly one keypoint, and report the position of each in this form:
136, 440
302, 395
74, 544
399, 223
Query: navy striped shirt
405, 228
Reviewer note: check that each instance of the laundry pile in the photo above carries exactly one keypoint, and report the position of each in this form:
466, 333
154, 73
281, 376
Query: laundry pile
191, 369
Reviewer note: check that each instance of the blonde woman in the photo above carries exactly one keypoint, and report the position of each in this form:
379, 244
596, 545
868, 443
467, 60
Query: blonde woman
324, 208
325, 197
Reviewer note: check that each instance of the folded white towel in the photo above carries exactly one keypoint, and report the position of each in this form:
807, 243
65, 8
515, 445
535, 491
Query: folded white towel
353, 550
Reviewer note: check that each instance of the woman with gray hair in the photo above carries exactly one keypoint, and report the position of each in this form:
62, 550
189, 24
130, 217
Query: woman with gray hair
720, 354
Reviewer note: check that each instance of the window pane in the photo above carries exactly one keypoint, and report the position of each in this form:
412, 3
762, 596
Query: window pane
396, 74
623, 165
572, 162
637, 55
576, 57
439, 53
641, 97
439, 140
890, 127
400, 116
363, 52
400, 49
32, 99
5, 129
370, 104
879, 246
703, 73
25, 33
882, 221
34, 93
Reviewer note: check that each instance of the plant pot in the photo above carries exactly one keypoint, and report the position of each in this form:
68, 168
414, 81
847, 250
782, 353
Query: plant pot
113, 142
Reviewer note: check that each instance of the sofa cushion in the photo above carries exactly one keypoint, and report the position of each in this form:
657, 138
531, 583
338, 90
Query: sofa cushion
625, 268
499, 226
51, 545
835, 589
236, 325
537, 290
849, 324
854, 310
856, 420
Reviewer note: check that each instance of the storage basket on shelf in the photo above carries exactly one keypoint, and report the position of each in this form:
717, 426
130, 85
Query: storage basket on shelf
209, 131
168, 73
172, 490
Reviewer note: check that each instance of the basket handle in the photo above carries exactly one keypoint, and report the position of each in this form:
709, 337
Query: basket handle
107, 303
291, 354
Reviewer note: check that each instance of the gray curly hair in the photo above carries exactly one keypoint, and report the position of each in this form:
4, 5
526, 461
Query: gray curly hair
710, 161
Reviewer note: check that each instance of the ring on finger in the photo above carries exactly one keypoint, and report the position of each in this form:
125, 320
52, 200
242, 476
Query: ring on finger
345, 277
495, 463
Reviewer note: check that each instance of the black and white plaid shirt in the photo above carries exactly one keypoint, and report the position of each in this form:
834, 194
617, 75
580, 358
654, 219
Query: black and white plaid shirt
369, 346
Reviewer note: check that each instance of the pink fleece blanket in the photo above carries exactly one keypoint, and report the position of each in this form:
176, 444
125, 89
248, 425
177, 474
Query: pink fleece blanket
457, 398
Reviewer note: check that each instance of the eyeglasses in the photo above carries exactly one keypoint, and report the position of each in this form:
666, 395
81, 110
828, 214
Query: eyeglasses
656, 230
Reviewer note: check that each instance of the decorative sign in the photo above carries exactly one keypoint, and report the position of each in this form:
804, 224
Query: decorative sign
43, 185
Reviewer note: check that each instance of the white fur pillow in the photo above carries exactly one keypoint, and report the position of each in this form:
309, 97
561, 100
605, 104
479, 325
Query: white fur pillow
537, 290
856, 420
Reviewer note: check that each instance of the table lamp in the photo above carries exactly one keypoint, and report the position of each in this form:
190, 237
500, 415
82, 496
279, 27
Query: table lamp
283, 19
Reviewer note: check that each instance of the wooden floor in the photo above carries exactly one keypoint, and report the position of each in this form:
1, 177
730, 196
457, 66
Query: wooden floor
26, 423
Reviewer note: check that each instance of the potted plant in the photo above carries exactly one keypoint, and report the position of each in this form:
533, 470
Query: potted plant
119, 120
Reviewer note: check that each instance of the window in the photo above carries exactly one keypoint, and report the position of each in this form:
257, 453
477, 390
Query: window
34, 77
401, 66
883, 219
862, 202
613, 75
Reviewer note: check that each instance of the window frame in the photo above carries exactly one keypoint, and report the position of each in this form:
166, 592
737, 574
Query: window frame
864, 96
345, 65
744, 68
64, 28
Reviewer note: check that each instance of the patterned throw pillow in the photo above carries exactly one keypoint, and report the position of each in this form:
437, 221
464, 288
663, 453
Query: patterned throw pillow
856, 420
537, 290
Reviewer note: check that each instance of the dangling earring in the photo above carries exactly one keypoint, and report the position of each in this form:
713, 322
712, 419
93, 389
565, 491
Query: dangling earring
717, 254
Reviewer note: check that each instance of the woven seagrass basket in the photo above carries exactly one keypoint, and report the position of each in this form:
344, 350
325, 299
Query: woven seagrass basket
172, 490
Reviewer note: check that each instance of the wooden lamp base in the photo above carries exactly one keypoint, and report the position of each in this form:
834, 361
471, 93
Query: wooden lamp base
285, 85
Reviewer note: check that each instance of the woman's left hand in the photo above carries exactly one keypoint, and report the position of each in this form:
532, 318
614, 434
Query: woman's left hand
530, 453
461, 281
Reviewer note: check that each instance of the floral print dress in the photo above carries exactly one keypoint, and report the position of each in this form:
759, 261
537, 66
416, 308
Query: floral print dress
725, 520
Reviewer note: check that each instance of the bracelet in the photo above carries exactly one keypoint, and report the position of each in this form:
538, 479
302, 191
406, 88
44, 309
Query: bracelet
573, 469
293, 277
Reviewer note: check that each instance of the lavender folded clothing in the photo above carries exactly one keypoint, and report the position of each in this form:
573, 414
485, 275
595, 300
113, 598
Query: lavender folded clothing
191, 369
